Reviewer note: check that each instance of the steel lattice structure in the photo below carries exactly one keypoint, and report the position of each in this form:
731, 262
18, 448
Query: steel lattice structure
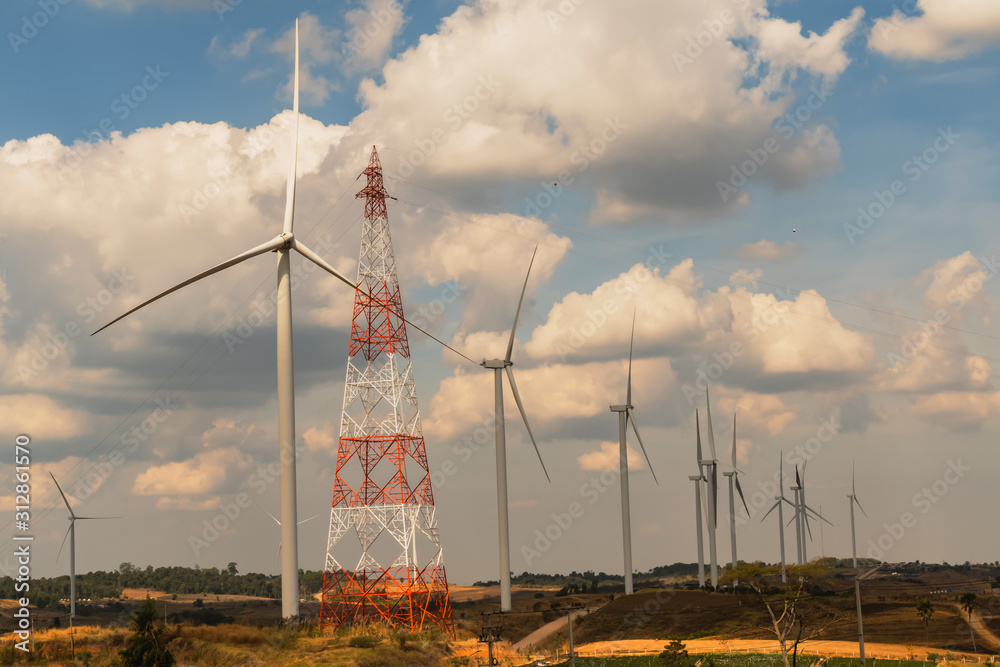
380, 439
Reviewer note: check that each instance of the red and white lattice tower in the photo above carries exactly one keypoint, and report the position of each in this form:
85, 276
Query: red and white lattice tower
382, 499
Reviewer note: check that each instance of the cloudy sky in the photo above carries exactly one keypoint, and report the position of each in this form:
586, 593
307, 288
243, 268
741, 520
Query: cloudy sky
793, 197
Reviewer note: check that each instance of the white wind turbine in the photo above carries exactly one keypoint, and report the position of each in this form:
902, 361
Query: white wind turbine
712, 479
624, 417
71, 534
854, 501
802, 513
283, 245
698, 479
278, 553
499, 366
734, 477
780, 498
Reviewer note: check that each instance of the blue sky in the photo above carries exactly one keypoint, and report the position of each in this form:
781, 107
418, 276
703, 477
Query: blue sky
197, 175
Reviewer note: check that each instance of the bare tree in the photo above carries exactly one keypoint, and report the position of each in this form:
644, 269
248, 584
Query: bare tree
792, 621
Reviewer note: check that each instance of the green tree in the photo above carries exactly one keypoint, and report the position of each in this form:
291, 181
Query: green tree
675, 654
145, 647
790, 621
925, 609
969, 604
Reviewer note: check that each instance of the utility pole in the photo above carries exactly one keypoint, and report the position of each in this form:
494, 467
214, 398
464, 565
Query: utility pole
490, 635
861, 627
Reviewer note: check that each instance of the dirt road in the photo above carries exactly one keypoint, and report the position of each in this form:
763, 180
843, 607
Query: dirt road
547, 630
984, 635
827, 648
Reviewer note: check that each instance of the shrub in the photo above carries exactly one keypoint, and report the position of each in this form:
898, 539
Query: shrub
363, 641
675, 654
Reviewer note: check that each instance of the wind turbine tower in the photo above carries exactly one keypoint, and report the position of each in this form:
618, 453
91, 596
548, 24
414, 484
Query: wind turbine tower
734, 479
854, 501
382, 488
711, 467
778, 500
624, 416
698, 480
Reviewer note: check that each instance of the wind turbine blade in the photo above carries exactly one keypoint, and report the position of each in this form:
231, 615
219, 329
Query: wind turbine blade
805, 517
816, 514
860, 507
781, 471
773, 507
628, 391
292, 171
517, 313
321, 263
798, 480
524, 416
790, 521
273, 244
734, 439
99, 517
739, 490
64, 541
265, 511
853, 490
697, 430
789, 502
631, 418
304, 520
63, 495
277, 555
708, 426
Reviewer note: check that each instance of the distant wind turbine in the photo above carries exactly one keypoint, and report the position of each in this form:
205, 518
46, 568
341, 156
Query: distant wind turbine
712, 478
778, 500
854, 501
698, 480
71, 534
283, 244
278, 553
624, 417
734, 478
499, 366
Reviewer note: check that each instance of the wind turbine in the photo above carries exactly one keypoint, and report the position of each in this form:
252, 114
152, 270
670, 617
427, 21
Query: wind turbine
624, 416
698, 479
780, 498
278, 553
283, 244
802, 514
854, 501
499, 366
712, 479
71, 534
734, 477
